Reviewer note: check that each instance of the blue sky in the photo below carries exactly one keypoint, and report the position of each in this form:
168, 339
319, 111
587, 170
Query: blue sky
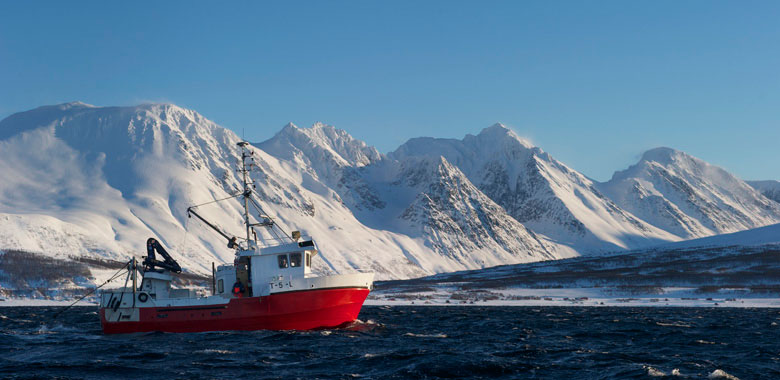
593, 83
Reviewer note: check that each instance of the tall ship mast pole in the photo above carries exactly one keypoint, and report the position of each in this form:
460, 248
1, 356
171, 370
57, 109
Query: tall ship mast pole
247, 190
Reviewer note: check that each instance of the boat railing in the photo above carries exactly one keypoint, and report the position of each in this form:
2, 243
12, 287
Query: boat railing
274, 241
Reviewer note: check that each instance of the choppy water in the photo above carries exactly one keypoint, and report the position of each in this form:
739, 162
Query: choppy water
411, 342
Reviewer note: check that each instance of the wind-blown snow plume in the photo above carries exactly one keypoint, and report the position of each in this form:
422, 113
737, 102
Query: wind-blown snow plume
770, 188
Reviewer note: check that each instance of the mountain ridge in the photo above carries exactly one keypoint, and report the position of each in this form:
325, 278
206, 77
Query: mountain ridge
105, 178
538, 190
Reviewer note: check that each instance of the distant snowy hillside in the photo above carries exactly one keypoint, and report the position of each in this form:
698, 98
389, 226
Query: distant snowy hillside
542, 193
770, 189
689, 197
767, 235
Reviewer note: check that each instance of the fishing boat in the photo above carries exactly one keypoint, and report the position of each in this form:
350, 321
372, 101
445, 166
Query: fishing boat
269, 285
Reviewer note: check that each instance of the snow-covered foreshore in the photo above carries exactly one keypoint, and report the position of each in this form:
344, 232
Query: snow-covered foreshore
595, 297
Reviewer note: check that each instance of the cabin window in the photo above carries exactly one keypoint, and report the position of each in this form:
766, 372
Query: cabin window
295, 259
282, 261
220, 286
308, 259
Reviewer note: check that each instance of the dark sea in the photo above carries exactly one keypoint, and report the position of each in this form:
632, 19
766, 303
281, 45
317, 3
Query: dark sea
410, 343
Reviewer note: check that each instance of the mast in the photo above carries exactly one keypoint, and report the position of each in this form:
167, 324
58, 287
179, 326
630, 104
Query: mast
247, 191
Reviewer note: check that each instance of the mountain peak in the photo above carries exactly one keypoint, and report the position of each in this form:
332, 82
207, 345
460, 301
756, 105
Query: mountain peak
74, 104
663, 155
499, 132
320, 125
329, 143
496, 128
290, 126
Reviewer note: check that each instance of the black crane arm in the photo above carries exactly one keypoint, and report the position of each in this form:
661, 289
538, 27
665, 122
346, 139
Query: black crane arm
231, 240
150, 262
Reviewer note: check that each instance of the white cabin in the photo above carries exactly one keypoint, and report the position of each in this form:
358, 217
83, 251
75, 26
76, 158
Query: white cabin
262, 271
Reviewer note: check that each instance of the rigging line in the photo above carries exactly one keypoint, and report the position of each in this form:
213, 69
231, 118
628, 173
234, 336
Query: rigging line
275, 224
122, 295
184, 241
113, 277
270, 229
219, 200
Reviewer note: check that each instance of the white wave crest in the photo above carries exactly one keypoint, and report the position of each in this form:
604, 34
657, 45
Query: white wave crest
654, 372
721, 374
426, 335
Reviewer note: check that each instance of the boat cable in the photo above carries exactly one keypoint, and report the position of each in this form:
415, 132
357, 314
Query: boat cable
271, 228
183, 245
269, 225
219, 200
113, 277
122, 294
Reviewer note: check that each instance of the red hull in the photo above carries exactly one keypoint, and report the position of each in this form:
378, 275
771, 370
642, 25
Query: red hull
302, 310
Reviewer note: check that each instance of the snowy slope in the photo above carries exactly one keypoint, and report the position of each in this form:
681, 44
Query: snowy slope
767, 235
81, 179
770, 188
542, 193
689, 197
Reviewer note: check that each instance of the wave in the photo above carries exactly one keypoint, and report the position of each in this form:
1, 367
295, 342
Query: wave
441, 336
215, 351
673, 324
721, 374
654, 372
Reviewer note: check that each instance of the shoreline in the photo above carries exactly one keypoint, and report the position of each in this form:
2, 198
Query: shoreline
772, 303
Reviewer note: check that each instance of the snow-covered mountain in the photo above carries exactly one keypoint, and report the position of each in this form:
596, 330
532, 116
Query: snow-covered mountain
540, 192
80, 180
689, 197
769, 188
